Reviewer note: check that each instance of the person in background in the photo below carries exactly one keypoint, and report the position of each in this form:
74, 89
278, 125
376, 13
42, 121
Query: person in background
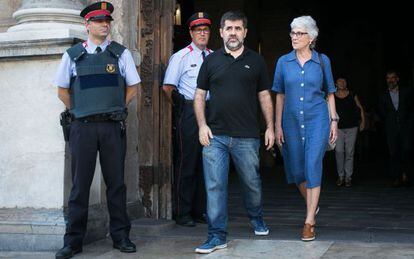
395, 108
352, 116
180, 82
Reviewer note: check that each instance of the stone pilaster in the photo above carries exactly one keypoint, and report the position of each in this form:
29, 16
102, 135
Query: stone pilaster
7, 7
33, 153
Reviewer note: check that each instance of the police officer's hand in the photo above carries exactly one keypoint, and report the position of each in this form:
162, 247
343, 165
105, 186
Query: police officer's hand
205, 135
269, 138
168, 89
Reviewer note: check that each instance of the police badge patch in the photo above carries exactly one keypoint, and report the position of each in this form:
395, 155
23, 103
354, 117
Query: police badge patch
110, 68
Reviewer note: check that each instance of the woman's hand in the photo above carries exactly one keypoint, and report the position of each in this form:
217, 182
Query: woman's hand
280, 139
333, 135
362, 126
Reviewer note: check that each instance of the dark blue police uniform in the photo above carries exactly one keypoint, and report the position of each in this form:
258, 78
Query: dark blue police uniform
97, 77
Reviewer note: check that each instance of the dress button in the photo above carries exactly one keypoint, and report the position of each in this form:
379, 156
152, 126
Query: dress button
302, 84
301, 98
303, 72
302, 126
301, 112
303, 138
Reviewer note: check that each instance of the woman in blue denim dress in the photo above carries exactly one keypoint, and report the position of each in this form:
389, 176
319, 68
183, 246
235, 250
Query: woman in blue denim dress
303, 123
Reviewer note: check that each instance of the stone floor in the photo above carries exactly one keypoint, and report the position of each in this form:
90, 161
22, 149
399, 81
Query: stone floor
369, 220
183, 247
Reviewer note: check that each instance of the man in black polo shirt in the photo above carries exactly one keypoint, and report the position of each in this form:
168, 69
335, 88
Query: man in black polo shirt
238, 82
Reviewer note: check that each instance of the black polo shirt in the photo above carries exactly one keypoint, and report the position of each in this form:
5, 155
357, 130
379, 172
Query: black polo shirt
234, 85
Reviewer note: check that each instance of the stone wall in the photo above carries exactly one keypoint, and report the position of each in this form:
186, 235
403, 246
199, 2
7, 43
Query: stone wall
27, 180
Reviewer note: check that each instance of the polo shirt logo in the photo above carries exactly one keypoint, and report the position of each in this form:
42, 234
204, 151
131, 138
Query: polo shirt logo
247, 66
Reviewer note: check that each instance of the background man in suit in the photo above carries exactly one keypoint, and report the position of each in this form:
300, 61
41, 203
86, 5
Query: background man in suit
396, 111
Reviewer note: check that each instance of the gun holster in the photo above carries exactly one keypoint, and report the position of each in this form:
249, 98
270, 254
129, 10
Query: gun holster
65, 121
119, 115
178, 101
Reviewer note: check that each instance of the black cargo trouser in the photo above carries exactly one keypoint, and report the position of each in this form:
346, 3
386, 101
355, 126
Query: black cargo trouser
86, 140
189, 190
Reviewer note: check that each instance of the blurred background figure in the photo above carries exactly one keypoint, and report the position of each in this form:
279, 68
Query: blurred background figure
352, 117
396, 112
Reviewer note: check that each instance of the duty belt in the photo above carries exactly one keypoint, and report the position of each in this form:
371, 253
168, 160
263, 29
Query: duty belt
113, 116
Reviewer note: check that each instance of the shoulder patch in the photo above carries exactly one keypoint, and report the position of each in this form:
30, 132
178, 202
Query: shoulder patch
116, 49
76, 51
183, 52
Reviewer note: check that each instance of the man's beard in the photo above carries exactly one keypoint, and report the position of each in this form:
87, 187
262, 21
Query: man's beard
392, 86
233, 47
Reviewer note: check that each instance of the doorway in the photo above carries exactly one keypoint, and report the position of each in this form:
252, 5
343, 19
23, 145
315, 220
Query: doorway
362, 46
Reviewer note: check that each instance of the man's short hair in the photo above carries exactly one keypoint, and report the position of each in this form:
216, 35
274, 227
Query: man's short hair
233, 16
392, 71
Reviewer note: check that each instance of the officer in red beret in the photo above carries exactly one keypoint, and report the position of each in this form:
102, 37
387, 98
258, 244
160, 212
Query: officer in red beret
180, 82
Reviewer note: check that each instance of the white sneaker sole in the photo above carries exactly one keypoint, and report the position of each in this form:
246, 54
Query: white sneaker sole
261, 233
308, 239
207, 251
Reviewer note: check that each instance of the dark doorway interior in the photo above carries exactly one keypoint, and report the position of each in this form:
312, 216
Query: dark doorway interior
362, 41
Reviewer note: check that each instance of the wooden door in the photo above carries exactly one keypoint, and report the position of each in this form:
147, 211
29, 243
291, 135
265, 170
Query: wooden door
154, 112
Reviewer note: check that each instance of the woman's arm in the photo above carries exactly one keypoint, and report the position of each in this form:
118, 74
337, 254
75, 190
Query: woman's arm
280, 102
333, 118
358, 103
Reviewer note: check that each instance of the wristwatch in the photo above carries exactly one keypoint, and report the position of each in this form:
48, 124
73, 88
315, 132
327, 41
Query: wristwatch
335, 119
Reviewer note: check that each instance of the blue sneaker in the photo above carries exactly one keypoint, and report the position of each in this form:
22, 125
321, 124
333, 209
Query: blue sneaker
260, 228
212, 244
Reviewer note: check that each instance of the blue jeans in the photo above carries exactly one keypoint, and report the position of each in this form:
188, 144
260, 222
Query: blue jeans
245, 155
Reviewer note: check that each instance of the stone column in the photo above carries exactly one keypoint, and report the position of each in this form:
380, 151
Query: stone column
32, 150
47, 15
43, 27
7, 7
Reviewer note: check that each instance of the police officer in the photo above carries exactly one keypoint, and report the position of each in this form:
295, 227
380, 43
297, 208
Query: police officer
179, 85
96, 80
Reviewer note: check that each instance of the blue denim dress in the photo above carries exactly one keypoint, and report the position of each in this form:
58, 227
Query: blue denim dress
305, 118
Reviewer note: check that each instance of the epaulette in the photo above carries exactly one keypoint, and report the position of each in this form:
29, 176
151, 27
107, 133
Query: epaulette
76, 51
183, 52
116, 49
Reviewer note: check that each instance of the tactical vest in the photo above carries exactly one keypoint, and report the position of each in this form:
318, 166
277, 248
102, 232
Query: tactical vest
98, 86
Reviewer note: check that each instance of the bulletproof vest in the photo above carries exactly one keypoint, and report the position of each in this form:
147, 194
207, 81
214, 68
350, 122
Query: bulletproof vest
98, 86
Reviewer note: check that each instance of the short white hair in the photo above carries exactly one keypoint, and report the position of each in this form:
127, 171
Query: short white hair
309, 24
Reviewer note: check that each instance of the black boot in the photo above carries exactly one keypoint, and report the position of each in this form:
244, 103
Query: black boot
125, 246
186, 221
67, 252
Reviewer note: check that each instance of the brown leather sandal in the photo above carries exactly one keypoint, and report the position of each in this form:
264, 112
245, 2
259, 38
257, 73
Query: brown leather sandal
308, 232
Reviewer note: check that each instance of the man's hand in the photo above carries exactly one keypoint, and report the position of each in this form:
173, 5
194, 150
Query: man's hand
205, 135
168, 89
269, 138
